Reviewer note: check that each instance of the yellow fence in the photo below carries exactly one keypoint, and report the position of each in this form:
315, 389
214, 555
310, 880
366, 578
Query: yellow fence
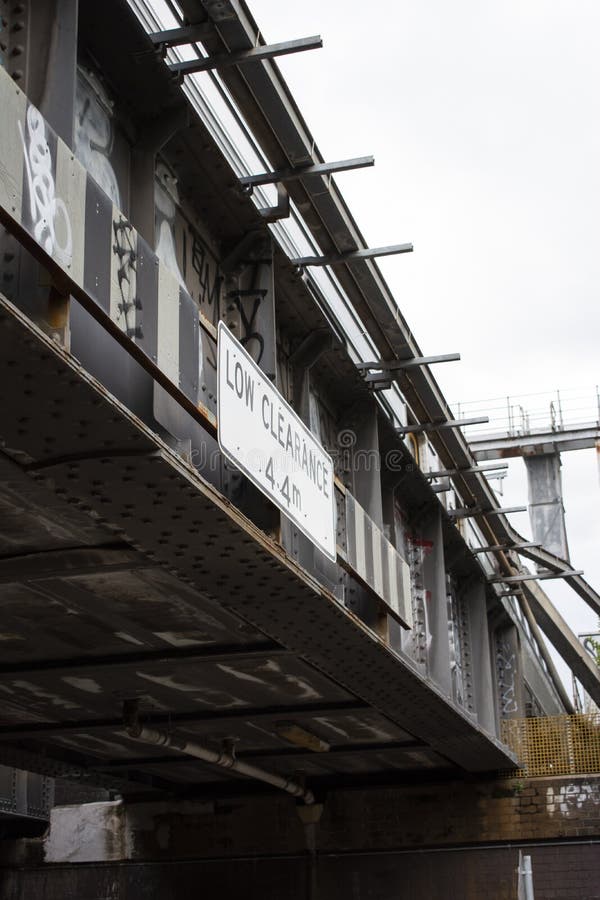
555, 745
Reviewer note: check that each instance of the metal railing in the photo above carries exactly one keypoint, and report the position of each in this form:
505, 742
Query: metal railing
555, 745
557, 410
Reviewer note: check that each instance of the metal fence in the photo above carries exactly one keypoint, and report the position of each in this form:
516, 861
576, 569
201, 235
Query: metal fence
530, 413
555, 745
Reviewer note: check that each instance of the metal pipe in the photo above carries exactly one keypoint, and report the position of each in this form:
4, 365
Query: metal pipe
222, 759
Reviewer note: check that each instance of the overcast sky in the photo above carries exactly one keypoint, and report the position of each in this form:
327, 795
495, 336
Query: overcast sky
484, 120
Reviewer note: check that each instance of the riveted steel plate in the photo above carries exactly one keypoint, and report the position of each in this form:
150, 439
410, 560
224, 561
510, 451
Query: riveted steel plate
131, 483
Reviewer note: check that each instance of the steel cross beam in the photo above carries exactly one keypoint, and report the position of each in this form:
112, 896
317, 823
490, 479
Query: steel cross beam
199, 717
297, 172
215, 654
187, 34
242, 57
467, 511
51, 564
59, 767
494, 446
517, 579
470, 470
336, 259
393, 365
437, 426
505, 548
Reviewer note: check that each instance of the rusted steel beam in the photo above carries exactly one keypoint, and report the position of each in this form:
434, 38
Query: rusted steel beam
223, 717
219, 653
71, 563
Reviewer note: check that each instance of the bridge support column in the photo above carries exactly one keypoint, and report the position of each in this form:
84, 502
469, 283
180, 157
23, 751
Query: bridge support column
481, 664
434, 577
546, 510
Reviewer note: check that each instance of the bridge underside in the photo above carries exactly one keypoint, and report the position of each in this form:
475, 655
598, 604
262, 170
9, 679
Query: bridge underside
125, 576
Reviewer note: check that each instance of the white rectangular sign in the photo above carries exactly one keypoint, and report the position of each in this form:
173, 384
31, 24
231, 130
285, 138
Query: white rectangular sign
271, 445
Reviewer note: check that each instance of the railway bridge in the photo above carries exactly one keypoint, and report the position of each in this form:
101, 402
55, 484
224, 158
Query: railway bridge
220, 668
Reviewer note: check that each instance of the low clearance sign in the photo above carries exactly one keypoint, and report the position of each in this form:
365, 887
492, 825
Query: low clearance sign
260, 432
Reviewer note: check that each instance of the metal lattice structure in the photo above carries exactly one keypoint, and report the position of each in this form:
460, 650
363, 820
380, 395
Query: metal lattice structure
555, 745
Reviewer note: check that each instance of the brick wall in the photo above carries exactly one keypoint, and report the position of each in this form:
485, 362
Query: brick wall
570, 872
432, 815
439, 841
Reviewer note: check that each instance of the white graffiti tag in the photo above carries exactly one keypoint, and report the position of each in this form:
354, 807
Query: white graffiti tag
506, 663
48, 212
572, 798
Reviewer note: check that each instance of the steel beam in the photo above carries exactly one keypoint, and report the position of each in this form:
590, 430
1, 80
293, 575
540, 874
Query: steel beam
518, 579
293, 174
383, 384
219, 653
281, 210
263, 713
469, 470
436, 426
336, 259
59, 767
393, 365
245, 250
312, 348
187, 34
546, 656
504, 446
468, 511
558, 632
30, 567
243, 57
505, 548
